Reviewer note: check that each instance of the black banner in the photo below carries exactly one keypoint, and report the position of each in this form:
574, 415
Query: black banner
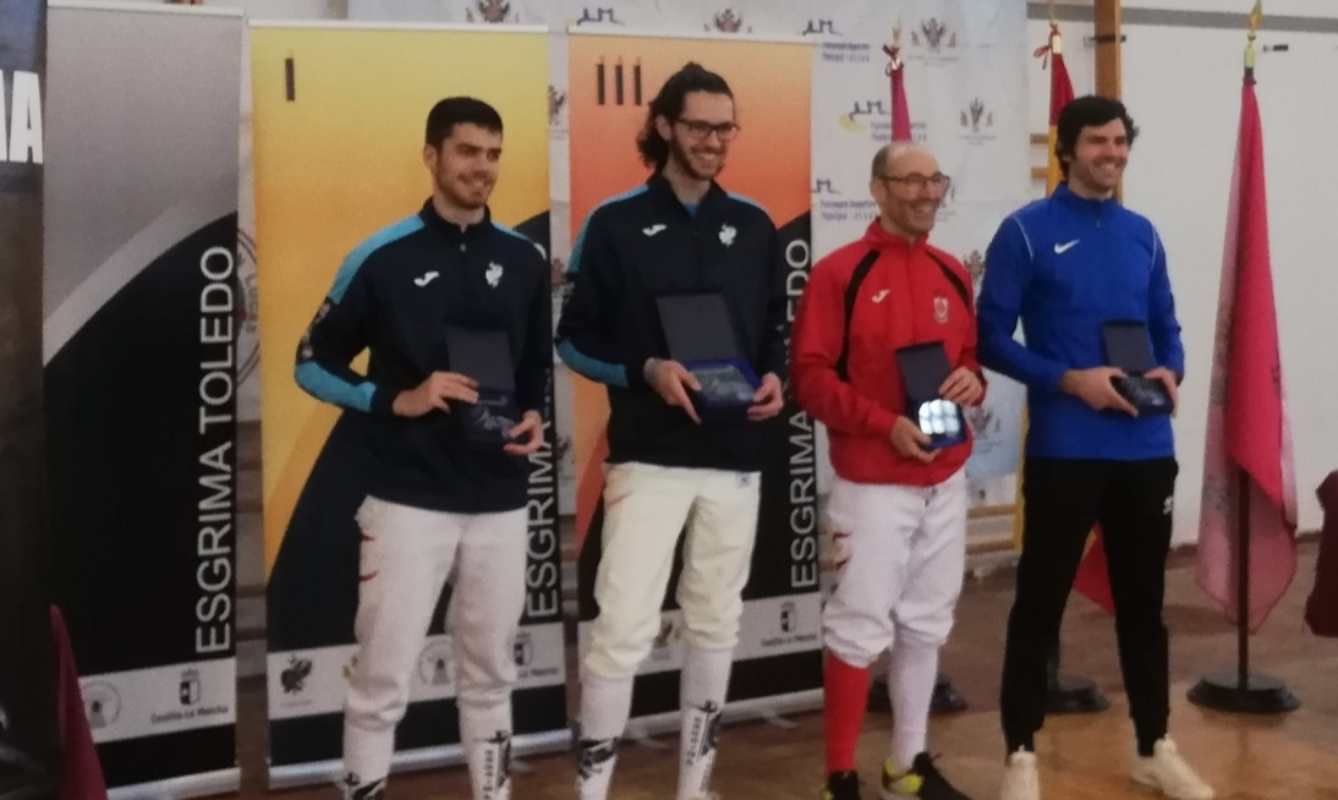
27, 664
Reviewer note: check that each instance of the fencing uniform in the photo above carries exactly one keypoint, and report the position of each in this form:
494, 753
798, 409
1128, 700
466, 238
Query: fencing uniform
665, 474
440, 507
899, 525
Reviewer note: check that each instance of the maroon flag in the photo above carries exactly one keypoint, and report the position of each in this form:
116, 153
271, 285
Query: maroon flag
1248, 460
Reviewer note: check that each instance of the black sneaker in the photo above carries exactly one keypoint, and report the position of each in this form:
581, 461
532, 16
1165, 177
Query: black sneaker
923, 781
841, 786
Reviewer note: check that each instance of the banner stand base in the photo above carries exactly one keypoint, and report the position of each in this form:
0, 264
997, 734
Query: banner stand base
204, 784
1262, 694
328, 771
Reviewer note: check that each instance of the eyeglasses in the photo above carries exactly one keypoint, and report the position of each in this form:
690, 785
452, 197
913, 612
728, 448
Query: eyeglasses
701, 129
938, 181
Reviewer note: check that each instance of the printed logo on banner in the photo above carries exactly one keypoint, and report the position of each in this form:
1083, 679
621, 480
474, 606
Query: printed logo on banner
188, 689
599, 15
436, 667
522, 650
557, 101
820, 27
787, 617
977, 123
493, 11
935, 35
293, 678
824, 186
728, 21
868, 116
102, 704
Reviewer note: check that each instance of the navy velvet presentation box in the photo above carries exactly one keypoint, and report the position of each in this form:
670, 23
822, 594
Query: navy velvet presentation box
1129, 347
485, 356
700, 336
924, 368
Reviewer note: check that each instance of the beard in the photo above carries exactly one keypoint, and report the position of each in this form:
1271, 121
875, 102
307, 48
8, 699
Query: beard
680, 154
460, 194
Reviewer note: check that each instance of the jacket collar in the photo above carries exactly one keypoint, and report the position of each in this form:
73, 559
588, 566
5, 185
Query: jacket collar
877, 237
663, 193
451, 230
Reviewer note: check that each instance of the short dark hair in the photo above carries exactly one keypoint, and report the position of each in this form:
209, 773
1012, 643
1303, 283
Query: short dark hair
448, 113
693, 77
1086, 112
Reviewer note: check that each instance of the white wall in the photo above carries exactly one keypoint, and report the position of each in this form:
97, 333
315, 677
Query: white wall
1182, 86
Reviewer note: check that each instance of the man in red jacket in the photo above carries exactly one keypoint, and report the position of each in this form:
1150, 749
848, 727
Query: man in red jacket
897, 511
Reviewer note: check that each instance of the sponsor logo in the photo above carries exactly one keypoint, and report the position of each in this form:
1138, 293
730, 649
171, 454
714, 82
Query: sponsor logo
293, 678
940, 309
788, 619
935, 35
102, 704
824, 186
557, 100
728, 21
494, 274
727, 234
1061, 249
654, 229
426, 278
599, 15
188, 688
522, 650
977, 116
820, 27
436, 665
881, 296
975, 267
493, 11
853, 120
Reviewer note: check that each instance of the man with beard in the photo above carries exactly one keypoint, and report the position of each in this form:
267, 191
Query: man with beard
897, 511
444, 501
677, 234
1074, 267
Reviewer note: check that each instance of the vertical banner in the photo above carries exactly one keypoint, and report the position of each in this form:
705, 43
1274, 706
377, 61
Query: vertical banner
27, 687
140, 304
339, 112
611, 78
966, 81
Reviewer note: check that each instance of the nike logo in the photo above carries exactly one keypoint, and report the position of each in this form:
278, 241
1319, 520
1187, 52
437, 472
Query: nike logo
878, 298
654, 229
1061, 249
427, 278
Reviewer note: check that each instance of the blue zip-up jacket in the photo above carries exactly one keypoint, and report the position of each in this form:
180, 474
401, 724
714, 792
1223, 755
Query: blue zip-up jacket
1065, 265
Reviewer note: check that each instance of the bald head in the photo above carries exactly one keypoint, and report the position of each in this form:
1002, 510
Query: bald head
891, 159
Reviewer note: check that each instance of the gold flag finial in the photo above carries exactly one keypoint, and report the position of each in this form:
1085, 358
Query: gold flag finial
1256, 19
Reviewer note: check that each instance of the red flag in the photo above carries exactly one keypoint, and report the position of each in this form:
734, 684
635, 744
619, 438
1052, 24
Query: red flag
1248, 430
901, 112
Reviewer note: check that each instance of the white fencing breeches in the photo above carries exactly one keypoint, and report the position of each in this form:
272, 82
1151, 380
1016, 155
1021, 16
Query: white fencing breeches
407, 555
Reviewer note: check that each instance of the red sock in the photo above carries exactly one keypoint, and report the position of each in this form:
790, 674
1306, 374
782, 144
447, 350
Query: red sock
847, 695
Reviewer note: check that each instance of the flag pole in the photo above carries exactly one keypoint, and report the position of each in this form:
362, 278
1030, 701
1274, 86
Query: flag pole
1243, 692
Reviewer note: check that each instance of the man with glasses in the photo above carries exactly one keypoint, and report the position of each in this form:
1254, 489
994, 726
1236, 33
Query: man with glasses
678, 234
897, 512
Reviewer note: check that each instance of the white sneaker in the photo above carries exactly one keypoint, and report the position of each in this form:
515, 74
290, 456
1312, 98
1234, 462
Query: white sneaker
1166, 771
1021, 781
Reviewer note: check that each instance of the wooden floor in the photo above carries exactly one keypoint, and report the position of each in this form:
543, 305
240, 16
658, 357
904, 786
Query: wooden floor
1291, 757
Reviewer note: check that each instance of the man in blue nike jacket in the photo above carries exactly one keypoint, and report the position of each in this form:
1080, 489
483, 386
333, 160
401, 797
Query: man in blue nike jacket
1067, 266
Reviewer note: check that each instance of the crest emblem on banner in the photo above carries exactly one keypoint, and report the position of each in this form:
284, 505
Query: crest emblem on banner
188, 690
976, 115
557, 100
728, 21
935, 34
294, 676
940, 309
493, 11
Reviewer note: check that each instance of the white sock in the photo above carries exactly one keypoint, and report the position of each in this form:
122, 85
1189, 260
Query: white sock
702, 698
911, 676
366, 760
485, 735
606, 704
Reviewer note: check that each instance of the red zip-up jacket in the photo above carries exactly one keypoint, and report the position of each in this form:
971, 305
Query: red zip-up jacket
904, 299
